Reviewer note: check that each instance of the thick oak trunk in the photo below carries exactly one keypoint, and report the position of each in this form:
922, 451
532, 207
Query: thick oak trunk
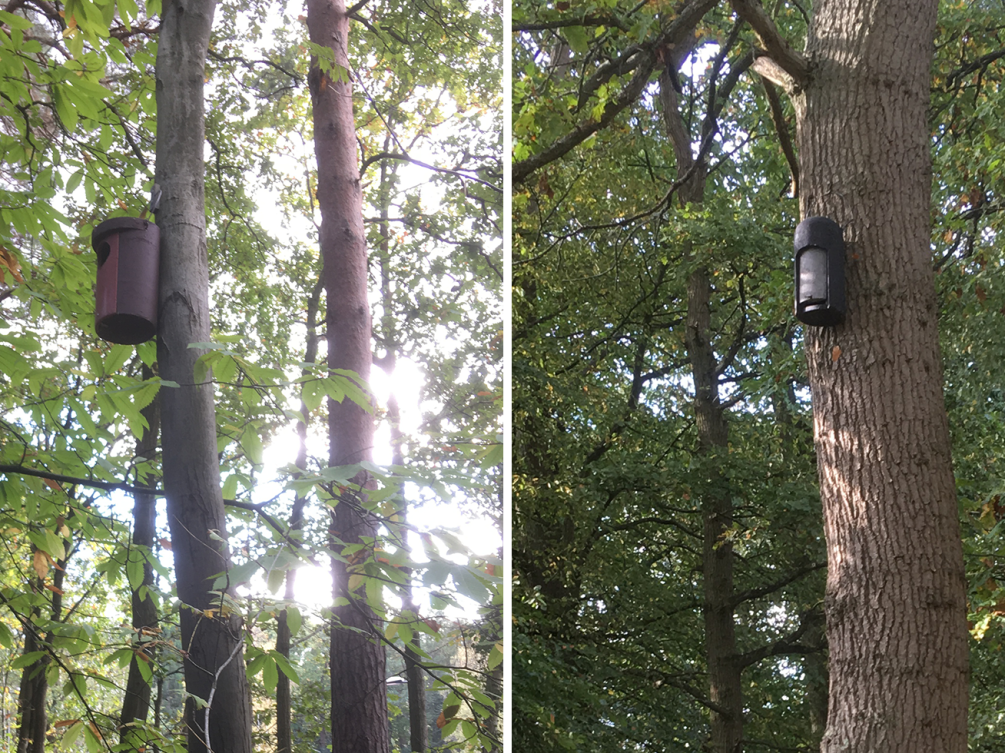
359, 694
895, 587
211, 638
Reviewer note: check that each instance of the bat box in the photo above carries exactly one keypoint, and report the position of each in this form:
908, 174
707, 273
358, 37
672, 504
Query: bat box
125, 307
820, 295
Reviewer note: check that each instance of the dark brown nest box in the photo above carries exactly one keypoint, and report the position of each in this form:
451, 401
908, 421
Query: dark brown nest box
125, 307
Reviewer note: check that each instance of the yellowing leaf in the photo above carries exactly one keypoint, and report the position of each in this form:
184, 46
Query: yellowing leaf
40, 561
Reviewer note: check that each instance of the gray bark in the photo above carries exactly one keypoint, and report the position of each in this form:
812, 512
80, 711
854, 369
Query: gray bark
211, 639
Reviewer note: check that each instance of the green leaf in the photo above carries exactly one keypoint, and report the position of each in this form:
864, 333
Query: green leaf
495, 656
15, 21
230, 486
26, 660
312, 393
128, 11
64, 108
293, 619
122, 656
71, 735
275, 579
251, 443
6, 637
284, 664
255, 665
145, 667
117, 357
92, 740
237, 575
270, 673
134, 570
578, 40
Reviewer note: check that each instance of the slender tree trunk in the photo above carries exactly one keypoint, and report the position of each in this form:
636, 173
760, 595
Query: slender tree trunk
359, 693
284, 698
895, 587
34, 687
136, 699
724, 668
415, 676
211, 638
34, 681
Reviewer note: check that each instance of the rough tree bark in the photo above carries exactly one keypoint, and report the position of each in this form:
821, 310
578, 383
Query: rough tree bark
136, 698
211, 637
895, 585
359, 693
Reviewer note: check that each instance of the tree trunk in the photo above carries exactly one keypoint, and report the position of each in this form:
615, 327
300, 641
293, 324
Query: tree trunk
34, 680
359, 693
136, 699
724, 669
211, 638
415, 675
34, 688
284, 697
895, 585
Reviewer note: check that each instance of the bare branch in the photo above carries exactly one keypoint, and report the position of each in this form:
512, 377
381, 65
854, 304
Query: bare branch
405, 158
786, 645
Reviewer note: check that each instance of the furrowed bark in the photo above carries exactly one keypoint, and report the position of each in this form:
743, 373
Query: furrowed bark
211, 638
896, 615
359, 694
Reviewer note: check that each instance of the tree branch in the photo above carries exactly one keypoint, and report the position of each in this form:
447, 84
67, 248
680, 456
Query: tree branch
756, 593
979, 64
681, 26
597, 19
405, 158
784, 645
782, 129
780, 52
93, 483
